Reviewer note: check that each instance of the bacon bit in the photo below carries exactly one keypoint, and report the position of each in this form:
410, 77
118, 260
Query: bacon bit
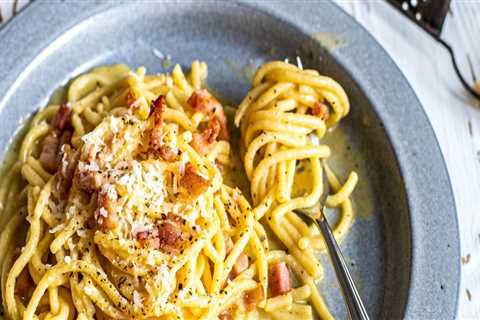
320, 110
105, 216
169, 237
69, 160
225, 315
173, 219
156, 112
193, 183
62, 119
24, 284
130, 98
203, 142
48, 155
148, 238
89, 180
203, 101
252, 298
279, 279
167, 153
240, 265
222, 118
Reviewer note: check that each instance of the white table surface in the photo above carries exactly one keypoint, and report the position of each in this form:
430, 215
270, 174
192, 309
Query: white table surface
454, 115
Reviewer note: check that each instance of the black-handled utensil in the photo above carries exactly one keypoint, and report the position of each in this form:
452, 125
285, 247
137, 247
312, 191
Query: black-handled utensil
430, 16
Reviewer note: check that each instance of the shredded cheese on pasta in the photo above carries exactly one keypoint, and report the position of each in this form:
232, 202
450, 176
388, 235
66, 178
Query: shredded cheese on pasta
116, 207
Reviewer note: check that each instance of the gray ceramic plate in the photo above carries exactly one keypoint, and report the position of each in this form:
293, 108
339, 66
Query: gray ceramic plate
404, 247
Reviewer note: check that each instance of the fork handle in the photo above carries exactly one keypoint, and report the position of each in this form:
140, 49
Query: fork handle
355, 306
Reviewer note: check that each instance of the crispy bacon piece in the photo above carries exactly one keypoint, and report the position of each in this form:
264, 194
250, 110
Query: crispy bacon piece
252, 298
203, 142
148, 238
69, 161
130, 98
203, 101
24, 284
279, 279
65, 138
320, 110
167, 153
48, 155
225, 315
193, 183
222, 118
170, 237
105, 216
167, 237
61, 120
156, 111
240, 265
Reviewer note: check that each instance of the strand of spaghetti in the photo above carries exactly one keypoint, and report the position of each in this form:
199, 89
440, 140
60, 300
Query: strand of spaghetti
36, 267
307, 121
34, 134
320, 82
283, 155
6, 264
96, 95
268, 67
98, 276
196, 75
251, 96
6, 250
28, 250
261, 263
72, 227
173, 102
180, 80
343, 192
238, 248
12, 202
315, 298
8, 181
340, 230
226, 297
32, 177
262, 208
102, 301
44, 114
38, 168
273, 125
178, 117
53, 300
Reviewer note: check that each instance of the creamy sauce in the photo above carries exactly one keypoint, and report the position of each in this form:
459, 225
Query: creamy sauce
345, 158
329, 41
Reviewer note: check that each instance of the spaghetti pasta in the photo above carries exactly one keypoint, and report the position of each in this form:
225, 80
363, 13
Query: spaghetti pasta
282, 119
117, 206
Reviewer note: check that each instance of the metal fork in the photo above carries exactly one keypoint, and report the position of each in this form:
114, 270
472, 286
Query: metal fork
355, 306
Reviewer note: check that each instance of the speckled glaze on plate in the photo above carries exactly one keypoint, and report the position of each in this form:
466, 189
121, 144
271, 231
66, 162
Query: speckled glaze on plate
404, 252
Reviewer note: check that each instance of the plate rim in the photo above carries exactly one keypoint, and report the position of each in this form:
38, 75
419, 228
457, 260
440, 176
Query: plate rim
21, 21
